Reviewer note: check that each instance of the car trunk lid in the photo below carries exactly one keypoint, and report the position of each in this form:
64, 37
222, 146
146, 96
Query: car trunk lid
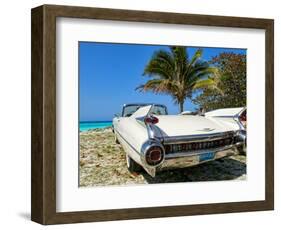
183, 125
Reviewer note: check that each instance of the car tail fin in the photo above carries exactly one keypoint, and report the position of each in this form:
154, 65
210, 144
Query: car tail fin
144, 116
227, 112
142, 111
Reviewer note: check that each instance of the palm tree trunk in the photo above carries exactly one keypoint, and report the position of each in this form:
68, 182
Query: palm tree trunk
181, 106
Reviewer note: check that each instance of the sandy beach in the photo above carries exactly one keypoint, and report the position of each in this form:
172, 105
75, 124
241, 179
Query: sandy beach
102, 162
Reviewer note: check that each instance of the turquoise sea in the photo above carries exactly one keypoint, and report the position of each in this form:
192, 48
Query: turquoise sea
86, 125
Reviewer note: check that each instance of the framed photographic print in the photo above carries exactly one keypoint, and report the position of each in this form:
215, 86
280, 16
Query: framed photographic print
141, 114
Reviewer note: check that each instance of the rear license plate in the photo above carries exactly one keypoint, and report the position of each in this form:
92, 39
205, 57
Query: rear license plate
206, 156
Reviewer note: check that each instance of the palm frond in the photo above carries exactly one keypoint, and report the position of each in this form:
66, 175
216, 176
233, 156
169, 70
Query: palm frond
201, 72
196, 57
164, 56
180, 59
160, 65
173, 73
204, 83
157, 86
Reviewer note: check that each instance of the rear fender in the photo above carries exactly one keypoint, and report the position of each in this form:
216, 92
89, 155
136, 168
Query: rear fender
153, 131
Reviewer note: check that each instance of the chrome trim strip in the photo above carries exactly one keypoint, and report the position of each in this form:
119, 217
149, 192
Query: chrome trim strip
150, 132
198, 137
150, 128
191, 160
198, 152
127, 142
236, 118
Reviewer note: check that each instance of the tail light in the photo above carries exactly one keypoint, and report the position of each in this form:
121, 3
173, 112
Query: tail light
151, 120
154, 155
243, 118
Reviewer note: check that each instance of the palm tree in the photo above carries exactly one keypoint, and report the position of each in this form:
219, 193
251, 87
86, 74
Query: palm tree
173, 73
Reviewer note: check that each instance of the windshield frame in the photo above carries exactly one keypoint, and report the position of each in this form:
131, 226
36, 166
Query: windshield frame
142, 105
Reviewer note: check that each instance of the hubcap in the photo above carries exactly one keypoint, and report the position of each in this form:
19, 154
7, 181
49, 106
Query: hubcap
127, 161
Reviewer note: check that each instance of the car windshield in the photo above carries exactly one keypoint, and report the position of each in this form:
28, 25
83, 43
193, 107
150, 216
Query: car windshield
128, 110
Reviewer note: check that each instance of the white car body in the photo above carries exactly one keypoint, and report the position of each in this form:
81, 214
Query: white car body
183, 140
186, 112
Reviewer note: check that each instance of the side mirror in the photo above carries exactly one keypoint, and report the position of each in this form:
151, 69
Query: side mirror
117, 115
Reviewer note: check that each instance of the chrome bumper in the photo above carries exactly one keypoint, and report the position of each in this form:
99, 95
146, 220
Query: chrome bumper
182, 160
190, 158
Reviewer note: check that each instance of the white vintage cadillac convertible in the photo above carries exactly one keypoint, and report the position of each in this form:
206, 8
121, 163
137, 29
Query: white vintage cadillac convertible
154, 140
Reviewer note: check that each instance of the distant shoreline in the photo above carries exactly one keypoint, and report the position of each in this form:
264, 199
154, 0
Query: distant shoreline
96, 130
93, 125
94, 121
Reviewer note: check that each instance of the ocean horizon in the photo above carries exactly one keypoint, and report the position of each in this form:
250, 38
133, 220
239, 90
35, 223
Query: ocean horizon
87, 125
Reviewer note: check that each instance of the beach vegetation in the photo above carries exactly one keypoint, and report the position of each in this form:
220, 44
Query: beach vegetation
230, 81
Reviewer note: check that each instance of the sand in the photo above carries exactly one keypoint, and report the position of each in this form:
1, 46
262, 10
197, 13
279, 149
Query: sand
102, 163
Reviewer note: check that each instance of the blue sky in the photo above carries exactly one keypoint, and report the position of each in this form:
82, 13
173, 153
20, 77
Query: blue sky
109, 74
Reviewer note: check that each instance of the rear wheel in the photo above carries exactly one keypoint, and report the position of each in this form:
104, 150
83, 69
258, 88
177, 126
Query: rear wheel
242, 150
132, 165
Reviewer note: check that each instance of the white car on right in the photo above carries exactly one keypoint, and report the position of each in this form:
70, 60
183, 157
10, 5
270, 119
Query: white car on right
231, 116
